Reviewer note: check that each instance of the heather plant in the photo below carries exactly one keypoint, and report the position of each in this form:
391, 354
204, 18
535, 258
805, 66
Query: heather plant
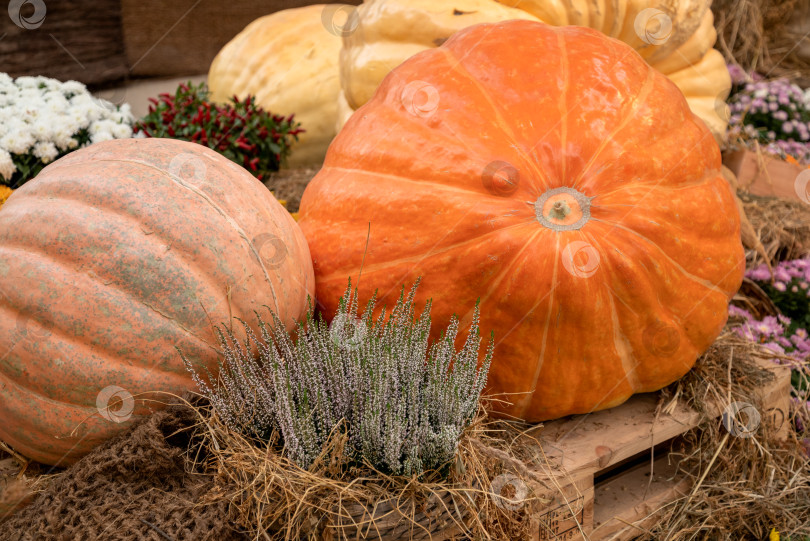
401, 402
773, 114
240, 130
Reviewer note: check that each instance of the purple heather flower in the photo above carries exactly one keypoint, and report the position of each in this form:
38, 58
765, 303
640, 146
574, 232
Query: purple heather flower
774, 347
738, 75
787, 127
784, 342
773, 325
760, 273
781, 274
737, 311
763, 328
779, 286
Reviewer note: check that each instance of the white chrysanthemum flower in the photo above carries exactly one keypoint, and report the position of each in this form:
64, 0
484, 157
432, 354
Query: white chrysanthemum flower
97, 127
27, 82
101, 136
78, 119
41, 130
17, 142
73, 87
30, 94
62, 137
45, 117
57, 107
7, 167
121, 131
46, 152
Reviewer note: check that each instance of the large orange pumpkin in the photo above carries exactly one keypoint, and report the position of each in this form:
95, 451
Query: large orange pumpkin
110, 258
552, 173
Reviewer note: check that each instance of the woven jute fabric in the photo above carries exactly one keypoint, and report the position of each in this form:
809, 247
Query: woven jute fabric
134, 487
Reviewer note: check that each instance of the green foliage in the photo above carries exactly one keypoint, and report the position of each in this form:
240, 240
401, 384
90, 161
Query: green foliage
240, 130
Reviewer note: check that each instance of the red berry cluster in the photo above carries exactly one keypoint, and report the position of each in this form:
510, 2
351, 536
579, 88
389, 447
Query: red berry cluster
239, 130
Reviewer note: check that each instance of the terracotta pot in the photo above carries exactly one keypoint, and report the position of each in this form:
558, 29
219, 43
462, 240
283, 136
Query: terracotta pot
763, 175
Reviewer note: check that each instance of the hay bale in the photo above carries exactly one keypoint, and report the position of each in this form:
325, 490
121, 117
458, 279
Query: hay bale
769, 36
782, 226
743, 486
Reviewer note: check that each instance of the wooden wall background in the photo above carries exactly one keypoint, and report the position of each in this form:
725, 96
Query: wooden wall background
104, 42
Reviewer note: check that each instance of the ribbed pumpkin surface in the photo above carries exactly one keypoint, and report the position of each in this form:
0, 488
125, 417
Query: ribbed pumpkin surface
552, 173
110, 258
674, 36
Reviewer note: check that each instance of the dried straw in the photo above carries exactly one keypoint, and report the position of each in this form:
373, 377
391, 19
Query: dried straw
759, 35
273, 498
20, 480
782, 226
743, 486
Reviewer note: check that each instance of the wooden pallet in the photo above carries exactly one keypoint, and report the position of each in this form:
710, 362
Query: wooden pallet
597, 467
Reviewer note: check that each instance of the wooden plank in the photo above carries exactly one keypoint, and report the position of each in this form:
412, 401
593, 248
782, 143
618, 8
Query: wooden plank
767, 176
67, 40
629, 503
776, 400
569, 513
595, 441
169, 39
576, 450
598, 440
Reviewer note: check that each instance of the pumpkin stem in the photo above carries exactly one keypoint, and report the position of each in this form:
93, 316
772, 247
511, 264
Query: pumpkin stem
559, 210
563, 209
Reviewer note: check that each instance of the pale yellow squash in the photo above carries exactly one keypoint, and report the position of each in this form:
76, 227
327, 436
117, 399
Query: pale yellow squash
390, 32
289, 61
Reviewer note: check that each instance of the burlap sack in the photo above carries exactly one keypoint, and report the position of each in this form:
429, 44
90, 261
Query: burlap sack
135, 487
